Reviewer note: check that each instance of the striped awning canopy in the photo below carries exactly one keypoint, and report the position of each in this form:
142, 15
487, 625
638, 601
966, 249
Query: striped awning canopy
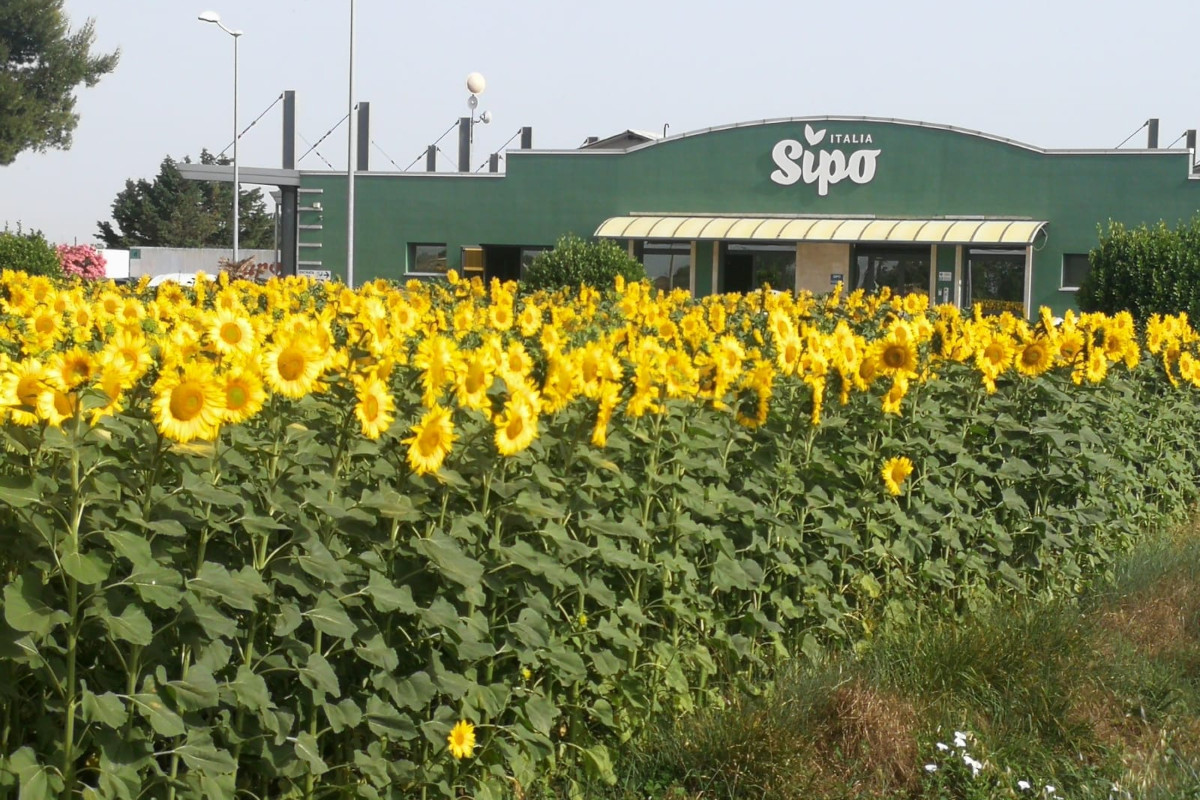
823, 229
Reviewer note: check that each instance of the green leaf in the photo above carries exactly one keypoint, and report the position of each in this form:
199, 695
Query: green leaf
214, 580
163, 720
375, 651
106, 709
86, 568
345, 714
598, 763
415, 691
330, 618
250, 689
18, 492
541, 713
199, 753
132, 547
450, 560
131, 625
308, 751
196, 692
25, 610
317, 675
384, 720
388, 597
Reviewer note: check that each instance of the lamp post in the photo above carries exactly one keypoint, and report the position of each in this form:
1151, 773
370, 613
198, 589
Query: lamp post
350, 164
215, 18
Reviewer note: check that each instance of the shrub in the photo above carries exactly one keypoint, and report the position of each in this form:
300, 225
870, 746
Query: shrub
1145, 270
81, 261
577, 262
28, 252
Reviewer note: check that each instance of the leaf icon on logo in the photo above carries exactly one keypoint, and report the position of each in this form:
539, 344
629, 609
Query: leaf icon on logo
814, 137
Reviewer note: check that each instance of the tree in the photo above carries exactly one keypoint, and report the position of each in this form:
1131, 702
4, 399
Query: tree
173, 211
41, 63
576, 262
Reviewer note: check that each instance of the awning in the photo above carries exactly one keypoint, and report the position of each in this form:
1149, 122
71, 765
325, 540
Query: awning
824, 229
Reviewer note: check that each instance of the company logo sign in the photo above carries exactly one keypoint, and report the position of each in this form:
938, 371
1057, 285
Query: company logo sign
824, 167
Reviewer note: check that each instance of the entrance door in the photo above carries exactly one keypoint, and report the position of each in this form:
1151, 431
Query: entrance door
739, 272
995, 279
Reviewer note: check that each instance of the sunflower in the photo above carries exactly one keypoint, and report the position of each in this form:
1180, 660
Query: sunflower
472, 379
1034, 357
374, 408
895, 471
516, 426
292, 367
189, 404
21, 388
44, 328
897, 353
128, 350
56, 406
244, 394
529, 320
230, 332
72, 369
435, 356
431, 440
560, 386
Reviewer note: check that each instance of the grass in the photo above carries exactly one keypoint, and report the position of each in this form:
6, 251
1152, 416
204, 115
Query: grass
1097, 698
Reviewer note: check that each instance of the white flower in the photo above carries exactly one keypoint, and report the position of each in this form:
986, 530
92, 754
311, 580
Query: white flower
973, 764
943, 747
1050, 789
1023, 785
960, 739
931, 767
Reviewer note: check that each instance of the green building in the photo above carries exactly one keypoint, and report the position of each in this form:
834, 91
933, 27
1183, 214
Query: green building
797, 203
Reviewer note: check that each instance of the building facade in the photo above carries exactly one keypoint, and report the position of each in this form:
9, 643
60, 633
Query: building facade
799, 203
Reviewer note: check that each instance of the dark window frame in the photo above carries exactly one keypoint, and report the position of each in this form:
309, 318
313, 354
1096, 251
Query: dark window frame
1063, 286
413, 255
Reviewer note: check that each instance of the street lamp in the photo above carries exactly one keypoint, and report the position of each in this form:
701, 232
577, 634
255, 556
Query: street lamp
215, 18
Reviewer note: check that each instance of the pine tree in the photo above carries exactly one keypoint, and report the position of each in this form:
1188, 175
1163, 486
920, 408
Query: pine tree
172, 211
41, 63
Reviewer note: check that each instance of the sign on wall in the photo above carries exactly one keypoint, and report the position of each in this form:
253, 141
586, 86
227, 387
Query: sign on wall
817, 163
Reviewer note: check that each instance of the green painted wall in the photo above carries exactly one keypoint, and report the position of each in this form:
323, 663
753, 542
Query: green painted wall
921, 171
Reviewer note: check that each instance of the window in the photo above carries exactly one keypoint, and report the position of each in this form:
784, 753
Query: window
529, 253
668, 264
903, 269
748, 268
1076, 267
427, 259
995, 279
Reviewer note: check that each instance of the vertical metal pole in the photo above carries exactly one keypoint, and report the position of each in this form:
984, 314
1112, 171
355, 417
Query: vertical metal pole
350, 165
237, 185
431, 158
526, 138
494, 162
464, 144
289, 129
1152, 133
364, 137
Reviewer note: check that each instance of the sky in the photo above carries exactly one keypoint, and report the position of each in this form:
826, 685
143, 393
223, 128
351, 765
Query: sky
1051, 73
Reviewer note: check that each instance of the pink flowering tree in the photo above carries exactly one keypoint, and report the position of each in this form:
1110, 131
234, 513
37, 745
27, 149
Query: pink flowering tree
81, 261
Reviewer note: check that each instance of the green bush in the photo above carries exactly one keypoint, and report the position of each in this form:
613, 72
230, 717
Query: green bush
577, 262
1145, 270
28, 252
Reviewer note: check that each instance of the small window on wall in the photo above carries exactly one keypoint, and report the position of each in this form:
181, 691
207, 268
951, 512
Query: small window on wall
427, 259
1076, 267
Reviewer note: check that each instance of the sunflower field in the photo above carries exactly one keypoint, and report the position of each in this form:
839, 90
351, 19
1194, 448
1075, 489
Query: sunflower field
297, 541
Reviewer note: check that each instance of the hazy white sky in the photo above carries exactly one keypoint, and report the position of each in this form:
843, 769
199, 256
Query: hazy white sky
1052, 73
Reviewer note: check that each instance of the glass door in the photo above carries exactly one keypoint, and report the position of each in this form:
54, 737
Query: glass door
995, 279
